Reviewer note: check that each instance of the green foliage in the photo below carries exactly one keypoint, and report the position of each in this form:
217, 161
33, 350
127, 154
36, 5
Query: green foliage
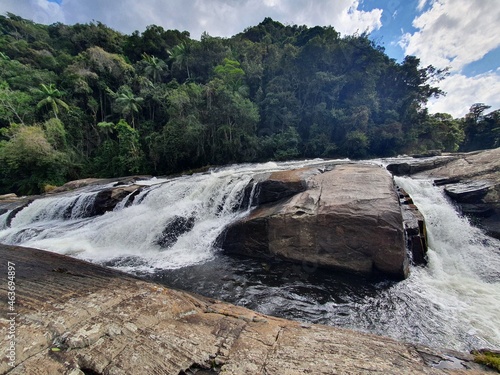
31, 160
487, 358
51, 97
441, 131
15, 106
230, 73
180, 57
356, 144
120, 153
55, 133
281, 146
481, 130
159, 102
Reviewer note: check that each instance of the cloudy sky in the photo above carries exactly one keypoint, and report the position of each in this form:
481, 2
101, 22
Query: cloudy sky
461, 34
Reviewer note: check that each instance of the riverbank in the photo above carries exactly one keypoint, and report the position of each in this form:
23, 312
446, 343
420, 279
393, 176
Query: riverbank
78, 318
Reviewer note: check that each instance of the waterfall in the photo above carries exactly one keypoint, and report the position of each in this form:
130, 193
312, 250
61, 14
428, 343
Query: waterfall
460, 287
171, 225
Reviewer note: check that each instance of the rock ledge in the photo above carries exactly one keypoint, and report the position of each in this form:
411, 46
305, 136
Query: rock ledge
76, 318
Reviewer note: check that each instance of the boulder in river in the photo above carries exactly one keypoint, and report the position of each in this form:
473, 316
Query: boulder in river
348, 218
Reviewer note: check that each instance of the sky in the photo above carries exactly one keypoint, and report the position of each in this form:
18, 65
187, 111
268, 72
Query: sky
463, 35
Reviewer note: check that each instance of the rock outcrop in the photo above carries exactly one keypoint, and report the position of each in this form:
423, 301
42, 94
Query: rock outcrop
75, 318
347, 218
105, 200
415, 229
472, 180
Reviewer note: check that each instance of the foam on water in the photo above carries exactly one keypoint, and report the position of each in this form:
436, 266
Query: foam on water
461, 283
453, 302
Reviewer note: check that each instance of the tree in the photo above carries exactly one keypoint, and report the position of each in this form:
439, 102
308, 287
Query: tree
180, 55
126, 103
231, 73
51, 98
155, 68
441, 131
15, 106
356, 144
33, 161
481, 130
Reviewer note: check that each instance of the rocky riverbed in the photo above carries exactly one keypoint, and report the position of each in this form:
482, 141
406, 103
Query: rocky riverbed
77, 318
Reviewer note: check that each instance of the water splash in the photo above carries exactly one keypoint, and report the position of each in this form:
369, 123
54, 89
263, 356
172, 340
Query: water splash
131, 236
461, 284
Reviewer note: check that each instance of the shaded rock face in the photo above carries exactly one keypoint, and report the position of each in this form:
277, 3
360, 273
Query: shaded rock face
415, 230
106, 200
419, 164
173, 229
75, 318
471, 180
348, 219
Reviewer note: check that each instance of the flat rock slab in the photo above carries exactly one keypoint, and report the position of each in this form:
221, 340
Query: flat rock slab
77, 318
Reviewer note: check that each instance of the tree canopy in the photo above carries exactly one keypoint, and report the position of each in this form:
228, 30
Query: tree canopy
96, 102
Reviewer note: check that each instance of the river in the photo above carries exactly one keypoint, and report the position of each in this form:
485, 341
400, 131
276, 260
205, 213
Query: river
453, 302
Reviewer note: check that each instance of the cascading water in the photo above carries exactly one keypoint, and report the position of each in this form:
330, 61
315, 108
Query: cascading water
461, 284
136, 238
167, 231
3, 219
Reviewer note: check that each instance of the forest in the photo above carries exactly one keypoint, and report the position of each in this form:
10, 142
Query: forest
88, 101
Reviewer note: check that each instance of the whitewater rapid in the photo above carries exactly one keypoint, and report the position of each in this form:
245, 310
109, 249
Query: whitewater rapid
133, 234
461, 283
453, 302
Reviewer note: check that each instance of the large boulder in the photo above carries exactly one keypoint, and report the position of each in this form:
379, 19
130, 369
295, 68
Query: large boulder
107, 199
348, 218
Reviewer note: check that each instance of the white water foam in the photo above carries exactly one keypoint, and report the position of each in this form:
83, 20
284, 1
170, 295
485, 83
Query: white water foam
208, 201
461, 283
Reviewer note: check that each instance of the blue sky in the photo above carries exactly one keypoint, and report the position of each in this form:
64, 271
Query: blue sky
463, 35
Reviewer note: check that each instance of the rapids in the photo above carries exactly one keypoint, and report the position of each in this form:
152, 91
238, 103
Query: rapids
167, 234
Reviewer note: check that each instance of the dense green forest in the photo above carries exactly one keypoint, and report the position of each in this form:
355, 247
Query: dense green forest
85, 100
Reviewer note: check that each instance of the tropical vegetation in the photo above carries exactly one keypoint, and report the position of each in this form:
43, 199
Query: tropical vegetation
85, 100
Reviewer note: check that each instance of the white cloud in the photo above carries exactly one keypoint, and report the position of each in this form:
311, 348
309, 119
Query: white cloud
217, 17
40, 11
421, 4
464, 91
454, 33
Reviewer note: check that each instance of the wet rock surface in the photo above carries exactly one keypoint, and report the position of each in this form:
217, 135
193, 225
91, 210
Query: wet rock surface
77, 318
472, 180
347, 218
415, 229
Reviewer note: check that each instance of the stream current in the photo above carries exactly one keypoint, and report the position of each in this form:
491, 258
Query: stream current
453, 302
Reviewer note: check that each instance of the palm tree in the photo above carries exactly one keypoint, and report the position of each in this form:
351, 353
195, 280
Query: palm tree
52, 98
155, 67
180, 56
128, 103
